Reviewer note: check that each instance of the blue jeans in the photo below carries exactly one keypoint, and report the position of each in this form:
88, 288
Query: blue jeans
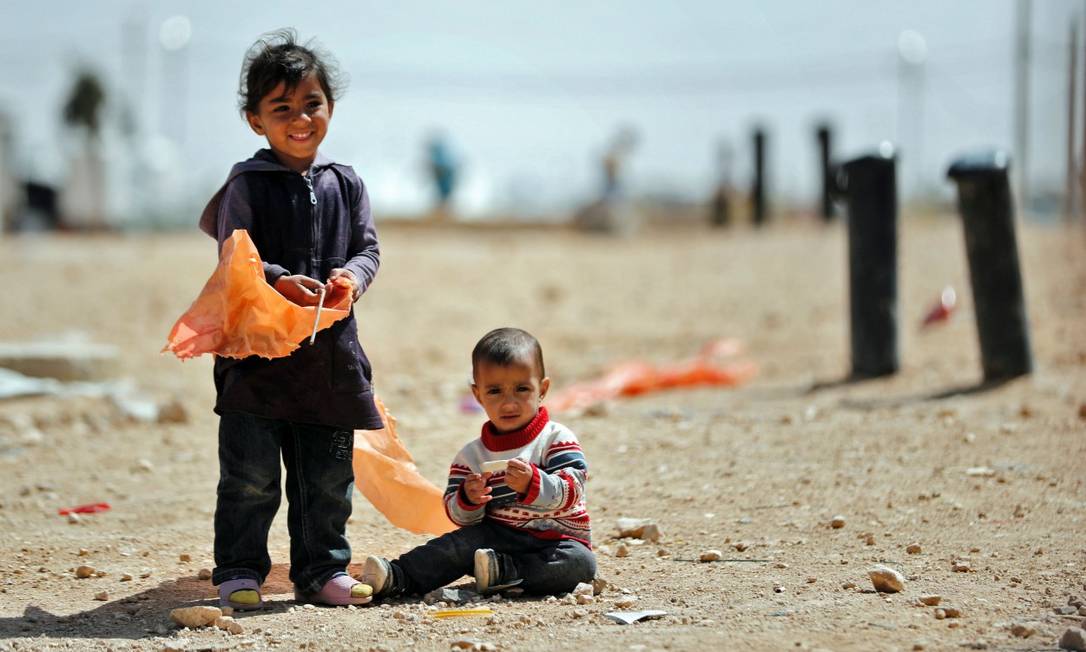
546, 566
319, 482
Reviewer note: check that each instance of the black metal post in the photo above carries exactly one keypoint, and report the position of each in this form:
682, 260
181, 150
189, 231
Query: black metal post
987, 209
870, 186
824, 148
758, 189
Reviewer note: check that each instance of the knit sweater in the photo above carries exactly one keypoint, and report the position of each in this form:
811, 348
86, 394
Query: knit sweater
553, 507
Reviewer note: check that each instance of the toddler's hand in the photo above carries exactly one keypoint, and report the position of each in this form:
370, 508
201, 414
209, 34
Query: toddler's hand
518, 475
475, 488
299, 289
346, 275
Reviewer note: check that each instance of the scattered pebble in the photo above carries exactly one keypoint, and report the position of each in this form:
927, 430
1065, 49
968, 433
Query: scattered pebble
102, 596
622, 550
227, 623
930, 600
980, 472
73, 518
960, 566
1022, 631
126, 577
638, 528
837, 522
1074, 639
599, 585
83, 572
711, 555
198, 616
185, 557
626, 601
203, 574
913, 549
886, 579
740, 546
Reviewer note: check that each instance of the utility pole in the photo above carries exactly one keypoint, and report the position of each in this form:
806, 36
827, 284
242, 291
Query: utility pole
1070, 205
1021, 101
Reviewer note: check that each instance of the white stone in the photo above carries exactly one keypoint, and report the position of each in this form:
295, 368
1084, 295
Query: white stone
886, 579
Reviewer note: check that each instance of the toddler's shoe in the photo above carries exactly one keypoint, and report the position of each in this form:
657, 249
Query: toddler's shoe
494, 571
339, 591
377, 572
241, 594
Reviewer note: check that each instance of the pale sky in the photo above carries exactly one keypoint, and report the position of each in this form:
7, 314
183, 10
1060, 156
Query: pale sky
529, 93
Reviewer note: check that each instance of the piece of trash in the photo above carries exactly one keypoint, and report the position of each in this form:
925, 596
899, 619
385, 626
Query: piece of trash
941, 310
468, 405
237, 314
89, 508
631, 617
979, 472
494, 466
455, 613
635, 377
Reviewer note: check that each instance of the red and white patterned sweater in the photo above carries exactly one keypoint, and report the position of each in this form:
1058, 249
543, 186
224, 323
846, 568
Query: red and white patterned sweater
554, 505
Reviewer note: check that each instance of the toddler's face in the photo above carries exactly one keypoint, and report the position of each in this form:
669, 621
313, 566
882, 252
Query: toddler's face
510, 394
294, 122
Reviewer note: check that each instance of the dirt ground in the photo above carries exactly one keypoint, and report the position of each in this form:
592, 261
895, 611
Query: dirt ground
757, 472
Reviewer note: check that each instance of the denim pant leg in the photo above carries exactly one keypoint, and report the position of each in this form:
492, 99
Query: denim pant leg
247, 496
555, 567
444, 559
319, 483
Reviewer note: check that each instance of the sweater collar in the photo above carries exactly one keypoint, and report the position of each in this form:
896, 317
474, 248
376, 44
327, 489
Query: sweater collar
503, 441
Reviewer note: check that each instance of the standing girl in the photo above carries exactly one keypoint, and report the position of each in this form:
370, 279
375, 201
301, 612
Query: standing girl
310, 220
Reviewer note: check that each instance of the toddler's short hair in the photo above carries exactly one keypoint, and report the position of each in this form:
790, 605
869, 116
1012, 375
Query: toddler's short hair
504, 346
276, 58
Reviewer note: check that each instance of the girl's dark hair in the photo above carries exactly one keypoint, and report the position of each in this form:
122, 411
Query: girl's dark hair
505, 346
276, 58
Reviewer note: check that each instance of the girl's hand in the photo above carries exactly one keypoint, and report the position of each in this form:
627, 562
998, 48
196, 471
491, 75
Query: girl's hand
475, 488
299, 289
346, 275
518, 475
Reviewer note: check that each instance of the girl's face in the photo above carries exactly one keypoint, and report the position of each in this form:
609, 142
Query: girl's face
294, 122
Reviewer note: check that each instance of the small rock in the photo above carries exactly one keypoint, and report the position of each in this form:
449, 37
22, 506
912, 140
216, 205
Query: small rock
228, 624
599, 585
837, 522
1022, 631
913, 549
778, 589
740, 546
622, 550
126, 577
73, 518
848, 585
886, 579
626, 601
198, 616
930, 600
960, 566
1066, 610
980, 472
102, 596
638, 528
83, 552
203, 574
185, 557
812, 580
940, 614
583, 588
83, 572
869, 540
585, 599
1074, 639
952, 612
711, 555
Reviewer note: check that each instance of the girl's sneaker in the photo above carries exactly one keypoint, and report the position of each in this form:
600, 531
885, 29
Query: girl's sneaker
241, 594
341, 590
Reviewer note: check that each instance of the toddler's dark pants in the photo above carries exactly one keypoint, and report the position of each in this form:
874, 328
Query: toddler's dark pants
545, 566
319, 482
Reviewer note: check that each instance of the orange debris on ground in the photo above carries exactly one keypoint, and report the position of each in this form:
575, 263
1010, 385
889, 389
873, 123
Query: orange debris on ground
636, 377
386, 475
238, 314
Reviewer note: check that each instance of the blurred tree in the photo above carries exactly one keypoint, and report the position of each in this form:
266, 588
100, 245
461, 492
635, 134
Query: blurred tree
85, 103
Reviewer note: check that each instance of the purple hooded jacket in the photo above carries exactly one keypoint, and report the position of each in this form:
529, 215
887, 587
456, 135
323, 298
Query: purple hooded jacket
300, 228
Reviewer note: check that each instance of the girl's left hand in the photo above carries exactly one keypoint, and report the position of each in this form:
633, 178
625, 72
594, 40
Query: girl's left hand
331, 288
518, 475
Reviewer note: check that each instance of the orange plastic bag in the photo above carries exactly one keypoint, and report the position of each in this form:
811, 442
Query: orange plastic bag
238, 314
386, 475
635, 377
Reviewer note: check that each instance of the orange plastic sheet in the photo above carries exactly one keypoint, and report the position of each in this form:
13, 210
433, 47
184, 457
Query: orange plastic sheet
238, 314
386, 475
708, 368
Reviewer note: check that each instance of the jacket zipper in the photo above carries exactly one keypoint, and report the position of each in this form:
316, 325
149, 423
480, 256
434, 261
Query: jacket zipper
308, 178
